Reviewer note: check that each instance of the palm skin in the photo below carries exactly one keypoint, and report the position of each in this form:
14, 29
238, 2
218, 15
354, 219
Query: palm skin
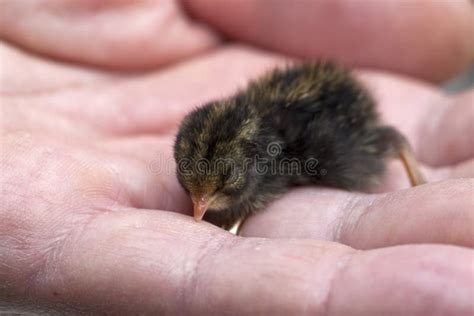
93, 219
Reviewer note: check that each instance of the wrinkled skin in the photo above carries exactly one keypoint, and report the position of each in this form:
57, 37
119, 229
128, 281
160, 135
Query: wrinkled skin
92, 218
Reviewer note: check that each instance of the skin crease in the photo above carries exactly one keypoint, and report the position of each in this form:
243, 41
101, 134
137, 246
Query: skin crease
92, 219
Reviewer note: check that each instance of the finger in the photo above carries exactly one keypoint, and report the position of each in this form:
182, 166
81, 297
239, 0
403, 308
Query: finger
363, 33
446, 133
461, 170
397, 178
433, 213
438, 126
27, 75
155, 102
369, 281
93, 32
139, 261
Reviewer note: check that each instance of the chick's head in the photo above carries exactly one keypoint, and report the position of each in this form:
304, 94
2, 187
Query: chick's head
215, 152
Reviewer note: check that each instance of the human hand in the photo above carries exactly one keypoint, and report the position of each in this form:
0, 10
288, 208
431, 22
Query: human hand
93, 220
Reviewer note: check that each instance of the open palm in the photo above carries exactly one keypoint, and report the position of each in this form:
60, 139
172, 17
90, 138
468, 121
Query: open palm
92, 218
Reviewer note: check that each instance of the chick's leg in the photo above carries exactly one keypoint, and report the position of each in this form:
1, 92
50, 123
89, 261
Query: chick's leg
398, 146
411, 165
225, 219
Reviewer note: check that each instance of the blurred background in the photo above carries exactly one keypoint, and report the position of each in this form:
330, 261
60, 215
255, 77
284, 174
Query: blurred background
461, 82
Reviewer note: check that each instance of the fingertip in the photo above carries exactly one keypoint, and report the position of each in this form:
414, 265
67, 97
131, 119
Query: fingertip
431, 283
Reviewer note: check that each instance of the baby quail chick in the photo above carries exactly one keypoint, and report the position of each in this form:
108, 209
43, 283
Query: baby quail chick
313, 123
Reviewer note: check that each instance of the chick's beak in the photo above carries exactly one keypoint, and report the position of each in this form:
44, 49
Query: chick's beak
201, 204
